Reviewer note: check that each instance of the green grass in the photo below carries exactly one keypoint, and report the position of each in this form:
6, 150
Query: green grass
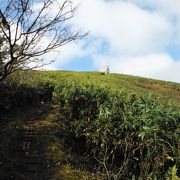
132, 84
117, 124
95, 107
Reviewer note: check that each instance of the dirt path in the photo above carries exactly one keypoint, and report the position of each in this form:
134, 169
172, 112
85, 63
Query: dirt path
34, 146
32, 163
24, 139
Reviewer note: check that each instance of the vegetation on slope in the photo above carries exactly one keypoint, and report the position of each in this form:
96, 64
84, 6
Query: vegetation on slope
110, 125
127, 135
138, 85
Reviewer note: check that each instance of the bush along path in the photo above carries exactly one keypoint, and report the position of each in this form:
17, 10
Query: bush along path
114, 134
128, 136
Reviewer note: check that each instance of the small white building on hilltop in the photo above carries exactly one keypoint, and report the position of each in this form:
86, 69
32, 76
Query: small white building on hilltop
104, 70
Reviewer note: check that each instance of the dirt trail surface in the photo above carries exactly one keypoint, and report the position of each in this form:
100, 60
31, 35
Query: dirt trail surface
36, 144
25, 140
32, 162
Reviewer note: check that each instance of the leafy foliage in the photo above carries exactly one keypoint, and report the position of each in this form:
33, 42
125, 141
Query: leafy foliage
131, 84
128, 135
13, 95
117, 121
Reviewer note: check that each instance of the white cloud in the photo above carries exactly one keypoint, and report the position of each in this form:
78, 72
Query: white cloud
64, 55
128, 28
158, 66
136, 33
138, 37
167, 6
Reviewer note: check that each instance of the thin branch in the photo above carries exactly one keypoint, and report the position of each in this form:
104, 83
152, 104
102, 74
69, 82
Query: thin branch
24, 29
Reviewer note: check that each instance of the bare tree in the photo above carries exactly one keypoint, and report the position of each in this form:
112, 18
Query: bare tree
31, 29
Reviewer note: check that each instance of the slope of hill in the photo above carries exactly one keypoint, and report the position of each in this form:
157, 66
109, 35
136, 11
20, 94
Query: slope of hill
133, 84
89, 126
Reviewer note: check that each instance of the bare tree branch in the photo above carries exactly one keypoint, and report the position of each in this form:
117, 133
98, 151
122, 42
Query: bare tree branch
25, 24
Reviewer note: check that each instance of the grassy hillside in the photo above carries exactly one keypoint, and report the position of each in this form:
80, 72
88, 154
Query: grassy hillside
133, 84
89, 126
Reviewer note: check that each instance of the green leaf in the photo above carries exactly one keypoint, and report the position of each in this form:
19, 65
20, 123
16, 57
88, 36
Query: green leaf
141, 135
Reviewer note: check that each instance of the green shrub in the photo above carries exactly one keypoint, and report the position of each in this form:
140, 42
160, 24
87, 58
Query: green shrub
128, 135
13, 95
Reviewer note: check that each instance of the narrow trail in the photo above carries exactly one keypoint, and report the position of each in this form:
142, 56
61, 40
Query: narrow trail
30, 143
32, 163
34, 146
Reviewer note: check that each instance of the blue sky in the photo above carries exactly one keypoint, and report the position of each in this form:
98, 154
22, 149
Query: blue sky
136, 37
